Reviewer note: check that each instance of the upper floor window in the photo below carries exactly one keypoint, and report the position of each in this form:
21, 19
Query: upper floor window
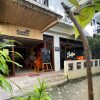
44, 2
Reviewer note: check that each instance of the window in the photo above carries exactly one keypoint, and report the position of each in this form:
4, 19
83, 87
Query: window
44, 2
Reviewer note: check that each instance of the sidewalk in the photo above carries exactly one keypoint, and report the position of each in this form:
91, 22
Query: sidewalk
27, 82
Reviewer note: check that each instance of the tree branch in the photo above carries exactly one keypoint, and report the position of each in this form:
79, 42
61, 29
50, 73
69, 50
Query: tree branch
85, 4
86, 50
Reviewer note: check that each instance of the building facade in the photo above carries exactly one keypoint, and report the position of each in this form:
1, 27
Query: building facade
37, 24
25, 21
96, 23
62, 34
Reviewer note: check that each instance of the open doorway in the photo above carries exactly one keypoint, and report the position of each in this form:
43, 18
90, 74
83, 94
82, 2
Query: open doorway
70, 50
29, 51
24, 52
49, 43
26, 48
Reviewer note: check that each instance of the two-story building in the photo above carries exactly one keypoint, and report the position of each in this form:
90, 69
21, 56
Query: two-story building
25, 21
34, 23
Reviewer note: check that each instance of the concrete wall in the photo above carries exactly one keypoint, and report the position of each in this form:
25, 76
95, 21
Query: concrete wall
56, 6
72, 71
64, 29
82, 72
56, 36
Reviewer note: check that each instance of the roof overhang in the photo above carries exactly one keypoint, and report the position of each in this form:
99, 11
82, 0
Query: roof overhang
26, 14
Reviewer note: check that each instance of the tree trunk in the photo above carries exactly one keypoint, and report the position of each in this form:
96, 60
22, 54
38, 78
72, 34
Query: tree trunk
86, 51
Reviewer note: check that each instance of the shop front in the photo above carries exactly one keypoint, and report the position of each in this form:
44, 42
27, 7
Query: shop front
28, 43
70, 50
25, 22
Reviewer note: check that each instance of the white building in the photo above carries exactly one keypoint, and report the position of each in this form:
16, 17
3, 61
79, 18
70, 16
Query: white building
96, 23
63, 30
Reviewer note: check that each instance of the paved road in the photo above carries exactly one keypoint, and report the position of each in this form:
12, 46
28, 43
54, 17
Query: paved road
75, 90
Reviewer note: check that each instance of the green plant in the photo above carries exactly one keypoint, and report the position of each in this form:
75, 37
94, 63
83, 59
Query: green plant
39, 93
81, 14
4, 70
95, 46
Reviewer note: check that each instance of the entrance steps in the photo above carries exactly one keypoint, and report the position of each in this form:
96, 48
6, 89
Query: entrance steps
50, 78
54, 78
26, 83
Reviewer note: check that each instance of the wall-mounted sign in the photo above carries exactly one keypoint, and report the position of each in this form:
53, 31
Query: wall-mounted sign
25, 33
57, 48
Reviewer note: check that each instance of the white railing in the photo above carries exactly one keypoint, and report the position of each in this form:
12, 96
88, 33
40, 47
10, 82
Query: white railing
77, 68
42, 2
66, 20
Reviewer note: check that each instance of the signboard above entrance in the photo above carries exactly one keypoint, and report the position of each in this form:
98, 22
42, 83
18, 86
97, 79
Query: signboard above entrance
19, 31
25, 33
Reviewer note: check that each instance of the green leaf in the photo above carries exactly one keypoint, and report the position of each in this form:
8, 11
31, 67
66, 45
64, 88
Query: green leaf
96, 1
5, 84
17, 64
3, 68
76, 32
3, 54
74, 2
84, 18
39, 93
97, 6
17, 54
15, 84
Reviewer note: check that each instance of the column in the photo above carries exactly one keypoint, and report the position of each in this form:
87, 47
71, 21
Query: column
56, 53
13, 59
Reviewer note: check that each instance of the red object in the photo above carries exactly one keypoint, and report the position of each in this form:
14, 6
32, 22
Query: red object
80, 57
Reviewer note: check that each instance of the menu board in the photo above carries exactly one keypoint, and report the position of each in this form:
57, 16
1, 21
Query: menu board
45, 55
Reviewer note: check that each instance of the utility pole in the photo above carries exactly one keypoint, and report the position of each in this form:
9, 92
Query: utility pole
86, 50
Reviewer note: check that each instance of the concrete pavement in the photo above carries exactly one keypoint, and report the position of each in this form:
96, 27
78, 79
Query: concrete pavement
26, 83
72, 90
75, 90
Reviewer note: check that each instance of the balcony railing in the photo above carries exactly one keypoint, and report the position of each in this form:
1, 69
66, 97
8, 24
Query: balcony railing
43, 2
66, 20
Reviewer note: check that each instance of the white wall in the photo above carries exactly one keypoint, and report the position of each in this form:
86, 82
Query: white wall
56, 37
76, 68
61, 30
97, 19
56, 6
56, 53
